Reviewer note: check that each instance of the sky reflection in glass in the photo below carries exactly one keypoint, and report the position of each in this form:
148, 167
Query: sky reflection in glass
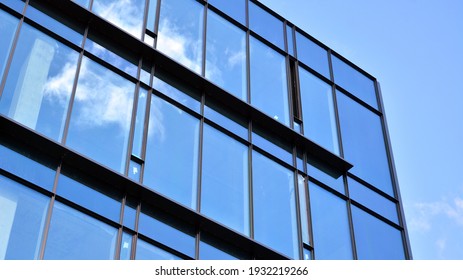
8, 25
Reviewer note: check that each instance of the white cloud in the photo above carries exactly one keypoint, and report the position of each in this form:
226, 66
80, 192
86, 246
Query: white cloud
426, 213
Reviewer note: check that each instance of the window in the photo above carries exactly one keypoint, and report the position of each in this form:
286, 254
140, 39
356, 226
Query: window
100, 119
8, 26
266, 25
39, 83
171, 166
363, 143
180, 34
323, 174
147, 251
318, 111
275, 222
226, 55
330, 225
22, 218
312, 55
139, 123
224, 190
269, 88
235, 9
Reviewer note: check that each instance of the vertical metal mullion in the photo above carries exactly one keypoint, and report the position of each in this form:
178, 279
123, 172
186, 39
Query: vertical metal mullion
351, 229
298, 206
250, 182
309, 215
156, 22
120, 232
145, 19
200, 155
133, 251
90, 5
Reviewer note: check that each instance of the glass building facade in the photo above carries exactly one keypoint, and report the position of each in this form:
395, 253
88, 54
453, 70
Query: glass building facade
187, 129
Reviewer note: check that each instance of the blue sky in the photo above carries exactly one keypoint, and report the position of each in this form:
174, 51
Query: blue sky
415, 49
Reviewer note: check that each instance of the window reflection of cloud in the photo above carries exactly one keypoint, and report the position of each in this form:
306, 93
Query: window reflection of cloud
126, 14
179, 47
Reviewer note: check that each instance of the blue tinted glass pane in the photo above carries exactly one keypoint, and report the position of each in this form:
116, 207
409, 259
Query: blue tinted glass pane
273, 146
177, 92
266, 25
8, 25
181, 31
134, 171
375, 239
363, 143
224, 190
290, 39
17, 5
83, 3
212, 249
373, 200
172, 152
22, 217
130, 215
54, 25
235, 9
275, 223
89, 198
150, 21
312, 55
297, 127
100, 119
303, 209
354, 81
318, 111
127, 14
269, 89
146, 251
139, 123
167, 234
307, 254
226, 55
76, 236
22, 164
325, 176
227, 121
126, 246
330, 225
39, 83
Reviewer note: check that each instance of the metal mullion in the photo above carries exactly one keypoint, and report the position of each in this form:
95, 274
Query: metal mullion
133, 251
90, 5
351, 229
336, 110
250, 185
200, 156
145, 20
309, 214
289, 91
298, 211
120, 231
156, 22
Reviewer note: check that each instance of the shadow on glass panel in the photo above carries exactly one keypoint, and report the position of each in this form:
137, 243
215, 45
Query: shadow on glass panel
212, 248
55, 22
22, 218
226, 119
148, 251
266, 25
325, 175
272, 144
235, 9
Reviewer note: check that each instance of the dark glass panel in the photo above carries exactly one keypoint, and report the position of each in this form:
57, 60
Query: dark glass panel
147, 251
76, 236
325, 175
224, 190
318, 111
376, 240
100, 119
269, 88
354, 81
363, 143
312, 55
226, 55
172, 152
290, 39
180, 33
211, 248
266, 25
39, 83
22, 217
235, 9
8, 25
330, 225
275, 222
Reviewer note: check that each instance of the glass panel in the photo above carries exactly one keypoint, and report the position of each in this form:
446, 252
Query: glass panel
269, 88
150, 21
275, 222
55, 25
100, 119
8, 26
139, 123
235, 9
373, 200
76, 236
146, 251
173, 236
225, 190
17, 5
290, 39
134, 171
180, 34
22, 217
39, 83
307, 254
272, 145
175, 90
127, 14
145, 74
312, 55
212, 249
22, 164
226, 55
330, 225
318, 111
304, 209
149, 40
130, 215
354, 81
83, 3
325, 175
172, 152
266, 25
375, 239
89, 198
297, 127
226, 120
363, 143
126, 246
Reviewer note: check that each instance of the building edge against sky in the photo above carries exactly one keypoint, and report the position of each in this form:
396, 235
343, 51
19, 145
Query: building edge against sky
194, 131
